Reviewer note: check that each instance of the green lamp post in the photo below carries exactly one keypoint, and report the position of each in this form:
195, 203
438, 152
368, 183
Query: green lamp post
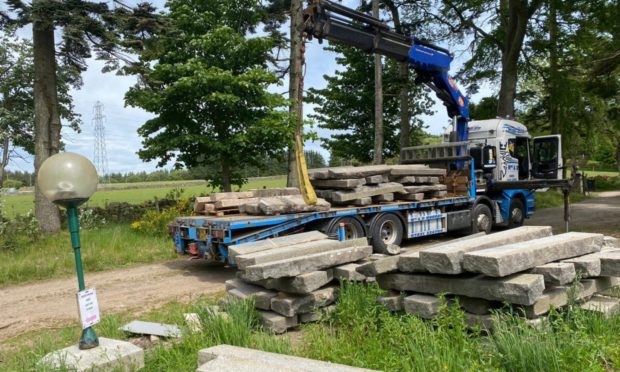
68, 179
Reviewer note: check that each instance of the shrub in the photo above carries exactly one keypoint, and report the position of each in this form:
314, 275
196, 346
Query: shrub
155, 222
12, 184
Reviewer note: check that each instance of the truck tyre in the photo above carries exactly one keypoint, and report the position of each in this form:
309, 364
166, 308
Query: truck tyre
385, 230
481, 219
517, 214
353, 228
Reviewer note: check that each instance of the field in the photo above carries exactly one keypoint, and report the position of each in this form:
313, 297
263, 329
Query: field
22, 204
363, 334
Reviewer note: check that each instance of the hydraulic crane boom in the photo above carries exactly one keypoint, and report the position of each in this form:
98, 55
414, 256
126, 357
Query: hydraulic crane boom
324, 19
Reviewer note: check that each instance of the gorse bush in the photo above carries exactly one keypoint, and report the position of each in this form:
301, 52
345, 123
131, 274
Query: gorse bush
155, 222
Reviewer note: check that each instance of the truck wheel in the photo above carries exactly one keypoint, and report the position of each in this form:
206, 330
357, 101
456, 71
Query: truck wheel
517, 213
481, 219
353, 228
385, 230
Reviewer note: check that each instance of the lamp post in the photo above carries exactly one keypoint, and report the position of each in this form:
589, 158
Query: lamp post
68, 180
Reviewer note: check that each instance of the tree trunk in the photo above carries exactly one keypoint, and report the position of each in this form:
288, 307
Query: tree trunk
226, 184
378, 151
553, 67
515, 14
295, 76
618, 153
46, 117
5, 158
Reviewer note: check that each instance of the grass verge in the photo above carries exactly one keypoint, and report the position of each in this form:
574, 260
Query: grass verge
111, 246
555, 198
362, 333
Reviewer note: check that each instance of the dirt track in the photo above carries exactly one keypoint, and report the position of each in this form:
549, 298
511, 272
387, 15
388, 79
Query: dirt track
52, 303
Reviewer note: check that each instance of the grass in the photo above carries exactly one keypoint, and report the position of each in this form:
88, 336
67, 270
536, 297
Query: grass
22, 204
364, 334
111, 246
555, 198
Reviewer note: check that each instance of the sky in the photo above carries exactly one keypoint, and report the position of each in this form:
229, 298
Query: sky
121, 122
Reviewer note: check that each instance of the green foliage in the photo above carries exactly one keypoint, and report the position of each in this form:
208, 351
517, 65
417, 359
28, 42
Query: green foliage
155, 222
346, 106
554, 199
12, 184
606, 183
314, 159
206, 82
17, 232
89, 220
486, 108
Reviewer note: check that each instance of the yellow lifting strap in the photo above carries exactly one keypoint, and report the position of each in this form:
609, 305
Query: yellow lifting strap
307, 191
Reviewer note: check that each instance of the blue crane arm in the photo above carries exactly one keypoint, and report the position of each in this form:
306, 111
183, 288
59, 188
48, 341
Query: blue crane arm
324, 19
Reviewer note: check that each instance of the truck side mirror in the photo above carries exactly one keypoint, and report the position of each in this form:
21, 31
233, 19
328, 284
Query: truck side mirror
489, 157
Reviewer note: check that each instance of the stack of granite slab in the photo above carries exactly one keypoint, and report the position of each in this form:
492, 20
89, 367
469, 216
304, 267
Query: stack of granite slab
527, 267
291, 278
257, 202
372, 184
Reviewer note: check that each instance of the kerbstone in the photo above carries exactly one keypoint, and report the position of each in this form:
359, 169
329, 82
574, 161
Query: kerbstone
382, 266
410, 197
424, 188
299, 265
350, 183
358, 172
377, 178
296, 250
393, 301
556, 273
348, 272
289, 305
234, 358
610, 263
589, 266
604, 305
447, 258
215, 197
383, 198
522, 289
109, 355
282, 191
410, 263
367, 191
300, 284
262, 245
416, 170
509, 259
242, 290
276, 322
424, 306
611, 242
478, 306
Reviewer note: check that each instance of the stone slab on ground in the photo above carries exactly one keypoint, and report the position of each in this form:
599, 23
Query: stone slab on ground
424, 306
416, 170
358, 172
217, 196
281, 191
610, 263
300, 265
348, 272
241, 290
263, 245
447, 258
509, 259
367, 191
382, 266
289, 304
300, 284
611, 242
348, 183
393, 301
140, 327
109, 355
234, 358
556, 273
478, 306
296, 250
276, 322
522, 289
589, 265
604, 305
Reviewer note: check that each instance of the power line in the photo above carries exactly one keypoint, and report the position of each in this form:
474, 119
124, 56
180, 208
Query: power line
100, 157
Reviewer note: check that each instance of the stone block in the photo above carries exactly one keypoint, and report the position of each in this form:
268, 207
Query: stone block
478, 306
377, 178
350, 183
424, 306
589, 266
296, 250
348, 272
234, 358
318, 173
300, 284
297, 204
509, 259
438, 194
611, 242
217, 196
242, 291
272, 206
610, 263
389, 249
305, 264
483, 322
263, 245
233, 203
537, 309
410, 197
522, 289
604, 305
110, 355
268, 193
424, 188
416, 170
393, 301
409, 262
556, 273
447, 258
358, 172
383, 198
289, 304
250, 208
367, 191
276, 322
407, 180
382, 266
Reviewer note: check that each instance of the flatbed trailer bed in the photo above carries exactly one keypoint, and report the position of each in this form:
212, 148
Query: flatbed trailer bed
210, 236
